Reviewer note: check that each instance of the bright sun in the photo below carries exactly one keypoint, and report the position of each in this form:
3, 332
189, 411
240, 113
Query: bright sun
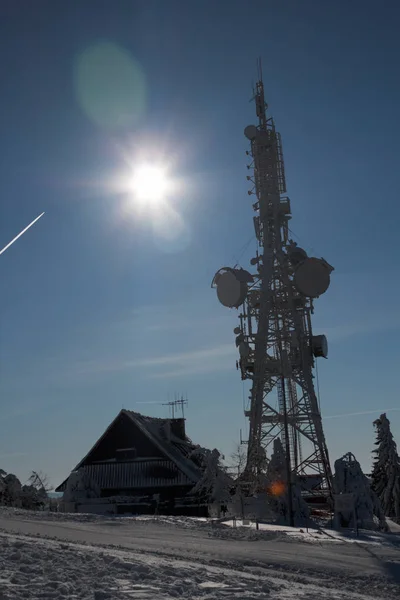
150, 184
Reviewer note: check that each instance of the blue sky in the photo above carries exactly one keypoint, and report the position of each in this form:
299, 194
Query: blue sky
104, 308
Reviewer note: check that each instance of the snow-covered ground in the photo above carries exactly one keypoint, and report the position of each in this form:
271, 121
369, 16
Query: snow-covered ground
49, 555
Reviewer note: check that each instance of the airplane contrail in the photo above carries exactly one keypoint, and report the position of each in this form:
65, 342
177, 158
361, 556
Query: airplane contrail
22, 233
365, 412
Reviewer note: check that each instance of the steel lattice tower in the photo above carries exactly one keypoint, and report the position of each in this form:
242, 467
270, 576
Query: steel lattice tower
275, 341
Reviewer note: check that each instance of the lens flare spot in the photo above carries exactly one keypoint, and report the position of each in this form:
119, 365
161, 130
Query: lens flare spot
277, 488
110, 86
171, 232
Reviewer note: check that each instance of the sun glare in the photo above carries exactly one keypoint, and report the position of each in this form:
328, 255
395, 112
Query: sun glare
150, 192
150, 184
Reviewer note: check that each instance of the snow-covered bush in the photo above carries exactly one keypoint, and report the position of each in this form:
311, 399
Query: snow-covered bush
33, 498
349, 479
277, 488
386, 469
81, 486
251, 507
215, 484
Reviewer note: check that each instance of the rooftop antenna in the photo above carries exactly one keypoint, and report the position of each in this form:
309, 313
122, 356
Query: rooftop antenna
21, 233
182, 402
276, 345
171, 405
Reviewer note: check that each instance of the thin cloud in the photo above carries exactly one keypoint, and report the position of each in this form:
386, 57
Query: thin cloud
186, 357
364, 412
180, 322
204, 359
366, 327
165, 318
196, 370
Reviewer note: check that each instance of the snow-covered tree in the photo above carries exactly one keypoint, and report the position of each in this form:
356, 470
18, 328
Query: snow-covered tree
2, 485
31, 496
34, 492
277, 487
386, 469
81, 486
215, 484
349, 479
11, 490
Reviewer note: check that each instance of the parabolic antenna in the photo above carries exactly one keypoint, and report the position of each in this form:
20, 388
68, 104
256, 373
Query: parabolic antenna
230, 291
320, 346
312, 278
250, 132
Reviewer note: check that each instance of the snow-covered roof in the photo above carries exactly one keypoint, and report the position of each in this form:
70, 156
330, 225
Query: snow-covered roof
175, 448
158, 431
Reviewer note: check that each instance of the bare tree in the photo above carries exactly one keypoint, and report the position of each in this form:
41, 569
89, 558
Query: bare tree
238, 458
39, 481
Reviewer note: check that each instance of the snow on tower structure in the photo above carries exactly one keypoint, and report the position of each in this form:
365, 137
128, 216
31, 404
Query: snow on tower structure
276, 345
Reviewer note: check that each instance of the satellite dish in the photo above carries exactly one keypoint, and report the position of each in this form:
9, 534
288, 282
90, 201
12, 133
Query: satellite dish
251, 132
312, 278
216, 277
230, 291
237, 330
320, 346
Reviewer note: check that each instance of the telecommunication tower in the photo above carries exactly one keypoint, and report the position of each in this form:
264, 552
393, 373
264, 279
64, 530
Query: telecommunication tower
277, 348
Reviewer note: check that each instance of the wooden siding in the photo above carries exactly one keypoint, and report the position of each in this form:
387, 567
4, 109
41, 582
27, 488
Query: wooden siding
137, 475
